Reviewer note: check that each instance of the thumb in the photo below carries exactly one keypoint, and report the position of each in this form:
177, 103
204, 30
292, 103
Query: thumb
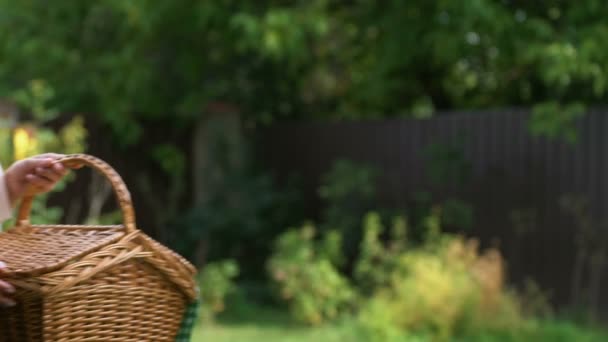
73, 164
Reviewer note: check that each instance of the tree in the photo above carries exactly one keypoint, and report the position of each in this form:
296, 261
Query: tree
132, 61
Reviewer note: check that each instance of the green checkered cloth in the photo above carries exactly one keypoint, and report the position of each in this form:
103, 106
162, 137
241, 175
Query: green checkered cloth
190, 316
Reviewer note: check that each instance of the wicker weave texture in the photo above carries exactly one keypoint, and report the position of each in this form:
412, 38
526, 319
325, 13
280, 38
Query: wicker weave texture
37, 251
92, 283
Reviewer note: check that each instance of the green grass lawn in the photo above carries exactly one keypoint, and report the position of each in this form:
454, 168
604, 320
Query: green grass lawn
552, 332
256, 323
252, 332
270, 325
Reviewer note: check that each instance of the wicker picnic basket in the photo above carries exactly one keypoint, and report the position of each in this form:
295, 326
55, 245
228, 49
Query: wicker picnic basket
92, 283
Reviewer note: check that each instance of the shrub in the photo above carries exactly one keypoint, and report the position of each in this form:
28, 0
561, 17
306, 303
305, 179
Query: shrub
216, 281
438, 289
376, 261
348, 190
441, 289
307, 278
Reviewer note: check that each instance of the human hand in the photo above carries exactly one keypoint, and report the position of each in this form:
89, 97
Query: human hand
6, 290
32, 176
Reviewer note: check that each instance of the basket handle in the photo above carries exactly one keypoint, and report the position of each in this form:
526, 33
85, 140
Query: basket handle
120, 189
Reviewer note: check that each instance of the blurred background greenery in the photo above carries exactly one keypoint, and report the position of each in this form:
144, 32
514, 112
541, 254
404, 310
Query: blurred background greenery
176, 94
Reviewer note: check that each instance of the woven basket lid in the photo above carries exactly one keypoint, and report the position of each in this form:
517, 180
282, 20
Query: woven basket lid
36, 250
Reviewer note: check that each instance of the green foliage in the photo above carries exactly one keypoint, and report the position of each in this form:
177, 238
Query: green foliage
436, 290
32, 137
307, 279
110, 218
591, 247
557, 122
348, 190
239, 208
36, 96
330, 248
243, 213
428, 216
442, 289
216, 281
376, 262
170, 159
130, 60
72, 137
534, 301
457, 213
446, 164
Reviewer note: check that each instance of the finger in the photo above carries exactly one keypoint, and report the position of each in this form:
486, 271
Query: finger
49, 173
60, 168
6, 288
38, 182
72, 164
33, 163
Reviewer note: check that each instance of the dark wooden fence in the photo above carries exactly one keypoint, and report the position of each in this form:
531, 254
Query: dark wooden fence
517, 183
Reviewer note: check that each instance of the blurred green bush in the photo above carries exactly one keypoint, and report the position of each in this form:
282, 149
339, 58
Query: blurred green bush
442, 287
306, 276
216, 282
348, 190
